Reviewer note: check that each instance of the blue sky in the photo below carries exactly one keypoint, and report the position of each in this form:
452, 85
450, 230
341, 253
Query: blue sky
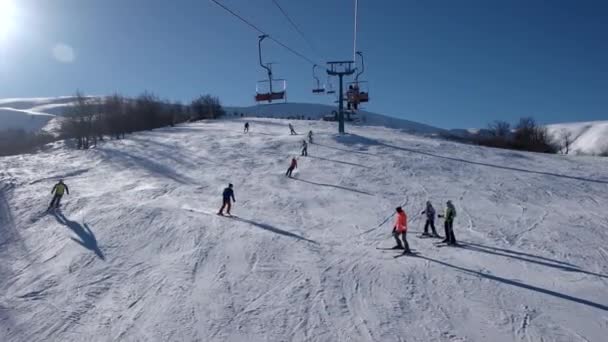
445, 63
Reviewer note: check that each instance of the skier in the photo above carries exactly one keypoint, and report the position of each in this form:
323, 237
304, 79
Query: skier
310, 136
304, 148
450, 214
294, 165
291, 130
58, 190
246, 127
227, 195
430, 220
400, 228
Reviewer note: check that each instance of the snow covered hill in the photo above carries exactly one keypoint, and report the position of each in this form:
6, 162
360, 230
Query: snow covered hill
318, 111
28, 120
588, 137
138, 254
33, 114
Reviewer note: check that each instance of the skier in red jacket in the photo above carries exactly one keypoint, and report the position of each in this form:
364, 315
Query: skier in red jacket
400, 228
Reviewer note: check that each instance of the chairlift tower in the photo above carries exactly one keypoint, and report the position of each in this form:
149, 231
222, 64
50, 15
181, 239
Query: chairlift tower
340, 69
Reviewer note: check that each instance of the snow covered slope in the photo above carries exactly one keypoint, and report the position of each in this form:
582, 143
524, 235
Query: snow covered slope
588, 137
138, 254
318, 111
28, 120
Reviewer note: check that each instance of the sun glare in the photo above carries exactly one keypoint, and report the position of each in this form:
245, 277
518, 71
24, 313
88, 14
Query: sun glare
8, 13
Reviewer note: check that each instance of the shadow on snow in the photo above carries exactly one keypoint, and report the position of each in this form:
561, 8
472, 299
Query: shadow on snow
520, 284
554, 264
356, 139
333, 186
85, 234
273, 229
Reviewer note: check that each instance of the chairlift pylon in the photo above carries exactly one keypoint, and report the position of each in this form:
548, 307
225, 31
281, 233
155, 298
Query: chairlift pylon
266, 90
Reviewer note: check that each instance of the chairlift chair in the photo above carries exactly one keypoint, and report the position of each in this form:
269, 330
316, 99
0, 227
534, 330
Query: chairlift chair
271, 89
264, 94
318, 89
358, 91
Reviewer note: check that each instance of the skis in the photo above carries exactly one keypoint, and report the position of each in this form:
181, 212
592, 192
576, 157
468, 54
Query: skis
428, 236
410, 254
227, 215
445, 244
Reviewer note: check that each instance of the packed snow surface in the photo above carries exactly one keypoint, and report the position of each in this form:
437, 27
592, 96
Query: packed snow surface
138, 253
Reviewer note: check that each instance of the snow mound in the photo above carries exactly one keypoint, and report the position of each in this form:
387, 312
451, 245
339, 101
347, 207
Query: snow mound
138, 253
11, 118
588, 137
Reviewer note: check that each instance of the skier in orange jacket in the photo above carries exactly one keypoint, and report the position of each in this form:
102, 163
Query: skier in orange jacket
400, 229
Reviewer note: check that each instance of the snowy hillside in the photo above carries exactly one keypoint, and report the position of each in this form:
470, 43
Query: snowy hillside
318, 111
138, 254
588, 137
11, 118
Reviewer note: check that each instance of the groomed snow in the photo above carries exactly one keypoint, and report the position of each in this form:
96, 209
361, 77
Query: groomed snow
138, 254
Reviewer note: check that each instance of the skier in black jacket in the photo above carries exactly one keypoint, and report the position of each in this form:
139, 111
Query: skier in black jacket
430, 220
227, 196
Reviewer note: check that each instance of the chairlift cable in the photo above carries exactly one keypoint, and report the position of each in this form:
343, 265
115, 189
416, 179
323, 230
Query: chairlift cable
355, 32
296, 27
260, 31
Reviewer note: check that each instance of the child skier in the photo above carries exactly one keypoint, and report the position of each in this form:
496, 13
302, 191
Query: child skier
58, 190
304, 148
227, 195
400, 228
430, 220
450, 214
310, 137
291, 130
294, 165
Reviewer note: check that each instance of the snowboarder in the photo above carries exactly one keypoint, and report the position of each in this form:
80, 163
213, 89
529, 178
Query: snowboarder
430, 220
400, 228
246, 130
291, 130
450, 214
310, 137
227, 196
294, 165
304, 148
59, 189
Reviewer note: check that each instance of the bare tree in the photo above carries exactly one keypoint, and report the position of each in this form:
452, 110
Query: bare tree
565, 141
500, 129
207, 107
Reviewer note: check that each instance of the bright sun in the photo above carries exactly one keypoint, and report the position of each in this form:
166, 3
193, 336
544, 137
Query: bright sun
8, 12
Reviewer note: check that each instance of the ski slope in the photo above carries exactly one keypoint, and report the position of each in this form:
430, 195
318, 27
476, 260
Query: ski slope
138, 254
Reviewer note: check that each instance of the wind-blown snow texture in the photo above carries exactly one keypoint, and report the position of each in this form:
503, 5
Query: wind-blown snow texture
138, 254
